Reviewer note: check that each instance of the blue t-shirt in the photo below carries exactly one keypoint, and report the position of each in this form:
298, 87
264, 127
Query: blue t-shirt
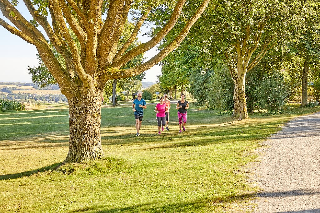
139, 110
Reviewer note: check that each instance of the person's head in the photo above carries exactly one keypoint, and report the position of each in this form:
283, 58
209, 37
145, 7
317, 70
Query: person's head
161, 99
139, 95
165, 97
182, 96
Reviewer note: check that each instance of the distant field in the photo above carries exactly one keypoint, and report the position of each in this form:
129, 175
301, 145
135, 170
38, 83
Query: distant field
38, 92
29, 90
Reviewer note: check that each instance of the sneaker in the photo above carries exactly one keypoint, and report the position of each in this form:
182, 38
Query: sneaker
167, 128
137, 134
184, 129
159, 133
180, 131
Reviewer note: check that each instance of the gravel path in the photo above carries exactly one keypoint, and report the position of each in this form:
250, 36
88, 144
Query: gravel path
288, 172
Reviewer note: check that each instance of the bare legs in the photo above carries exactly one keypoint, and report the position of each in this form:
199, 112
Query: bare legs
182, 126
138, 125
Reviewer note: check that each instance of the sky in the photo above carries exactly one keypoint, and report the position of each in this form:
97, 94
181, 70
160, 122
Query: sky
16, 55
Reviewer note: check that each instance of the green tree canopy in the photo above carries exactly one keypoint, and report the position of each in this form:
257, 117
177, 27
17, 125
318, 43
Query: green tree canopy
241, 33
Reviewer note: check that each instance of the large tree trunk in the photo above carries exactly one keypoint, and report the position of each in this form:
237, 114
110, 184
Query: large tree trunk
239, 96
305, 71
84, 124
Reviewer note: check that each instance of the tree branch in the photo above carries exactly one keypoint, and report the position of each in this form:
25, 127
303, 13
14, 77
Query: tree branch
86, 79
81, 17
17, 32
111, 29
81, 35
155, 40
133, 35
247, 36
164, 52
57, 71
11, 13
258, 58
119, 30
45, 24
89, 57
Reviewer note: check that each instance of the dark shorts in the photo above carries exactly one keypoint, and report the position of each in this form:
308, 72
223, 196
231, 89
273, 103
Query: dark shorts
167, 116
138, 117
161, 120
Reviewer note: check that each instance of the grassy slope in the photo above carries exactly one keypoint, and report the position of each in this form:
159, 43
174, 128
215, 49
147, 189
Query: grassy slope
200, 170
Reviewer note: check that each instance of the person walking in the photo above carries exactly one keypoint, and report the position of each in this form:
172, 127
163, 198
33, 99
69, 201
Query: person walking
138, 105
182, 107
161, 109
167, 101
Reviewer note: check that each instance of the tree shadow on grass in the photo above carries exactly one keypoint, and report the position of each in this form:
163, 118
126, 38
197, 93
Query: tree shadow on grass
172, 208
303, 211
292, 193
32, 172
220, 136
200, 136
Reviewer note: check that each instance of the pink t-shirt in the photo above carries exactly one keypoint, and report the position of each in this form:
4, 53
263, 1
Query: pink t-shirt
161, 110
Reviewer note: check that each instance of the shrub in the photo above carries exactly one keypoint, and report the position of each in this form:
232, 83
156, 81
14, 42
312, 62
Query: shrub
316, 87
7, 105
220, 97
147, 95
213, 88
272, 93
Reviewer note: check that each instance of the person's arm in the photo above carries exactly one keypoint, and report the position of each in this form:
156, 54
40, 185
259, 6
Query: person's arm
134, 107
144, 106
187, 106
178, 107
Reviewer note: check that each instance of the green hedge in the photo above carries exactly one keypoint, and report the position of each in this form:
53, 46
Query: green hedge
6, 105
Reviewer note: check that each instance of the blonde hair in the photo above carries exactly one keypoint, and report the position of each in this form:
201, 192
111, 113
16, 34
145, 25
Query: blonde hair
139, 93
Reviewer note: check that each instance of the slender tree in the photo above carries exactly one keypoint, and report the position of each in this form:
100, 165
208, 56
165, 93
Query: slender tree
86, 35
305, 40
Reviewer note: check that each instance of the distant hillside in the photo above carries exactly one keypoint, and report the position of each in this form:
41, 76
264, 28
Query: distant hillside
18, 86
147, 84
29, 91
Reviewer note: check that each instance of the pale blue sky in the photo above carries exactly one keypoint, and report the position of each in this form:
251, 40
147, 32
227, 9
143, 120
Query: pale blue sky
16, 55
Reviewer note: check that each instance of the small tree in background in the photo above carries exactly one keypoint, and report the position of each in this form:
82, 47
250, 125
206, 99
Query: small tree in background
147, 95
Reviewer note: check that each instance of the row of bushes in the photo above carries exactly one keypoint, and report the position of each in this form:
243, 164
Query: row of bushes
6, 105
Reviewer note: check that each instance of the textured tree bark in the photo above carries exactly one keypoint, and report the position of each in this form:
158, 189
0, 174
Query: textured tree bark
239, 98
305, 71
84, 125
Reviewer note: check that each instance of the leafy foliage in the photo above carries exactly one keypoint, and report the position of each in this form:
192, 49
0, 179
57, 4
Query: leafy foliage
41, 75
213, 88
7, 105
272, 93
147, 95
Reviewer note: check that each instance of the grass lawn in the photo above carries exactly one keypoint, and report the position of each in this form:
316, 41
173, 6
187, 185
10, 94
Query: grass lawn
200, 170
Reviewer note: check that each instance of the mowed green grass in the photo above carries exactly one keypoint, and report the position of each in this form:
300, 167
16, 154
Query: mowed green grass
200, 170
